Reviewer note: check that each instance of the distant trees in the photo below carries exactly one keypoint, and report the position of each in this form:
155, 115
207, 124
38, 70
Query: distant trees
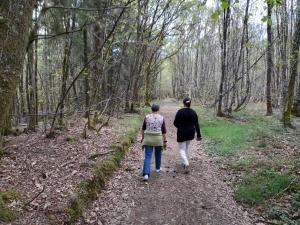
81, 57
103, 57
226, 61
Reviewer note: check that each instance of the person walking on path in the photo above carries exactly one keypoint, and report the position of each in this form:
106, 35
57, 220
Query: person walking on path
186, 122
153, 138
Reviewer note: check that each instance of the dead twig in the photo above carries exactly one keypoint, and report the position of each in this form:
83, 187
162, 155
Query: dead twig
94, 156
31, 200
287, 188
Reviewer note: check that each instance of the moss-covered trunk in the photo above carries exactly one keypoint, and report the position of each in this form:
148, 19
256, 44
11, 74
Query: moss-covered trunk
15, 20
294, 58
296, 106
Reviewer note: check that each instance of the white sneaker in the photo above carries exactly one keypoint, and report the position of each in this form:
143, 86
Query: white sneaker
146, 177
157, 171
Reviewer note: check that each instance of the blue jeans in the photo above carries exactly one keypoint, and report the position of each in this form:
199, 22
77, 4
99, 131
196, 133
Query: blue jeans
148, 156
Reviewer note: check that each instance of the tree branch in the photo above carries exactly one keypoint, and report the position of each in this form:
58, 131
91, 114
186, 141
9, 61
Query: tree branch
86, 65
85, 9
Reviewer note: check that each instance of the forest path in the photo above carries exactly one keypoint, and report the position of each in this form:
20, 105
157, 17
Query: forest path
170, 197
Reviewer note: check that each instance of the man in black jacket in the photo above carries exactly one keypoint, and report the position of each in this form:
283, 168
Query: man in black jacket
186, 122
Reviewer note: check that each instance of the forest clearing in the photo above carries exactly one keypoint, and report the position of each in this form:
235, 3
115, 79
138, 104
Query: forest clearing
84, 84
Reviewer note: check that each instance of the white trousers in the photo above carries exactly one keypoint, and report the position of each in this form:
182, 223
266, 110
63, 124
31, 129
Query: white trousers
183, 150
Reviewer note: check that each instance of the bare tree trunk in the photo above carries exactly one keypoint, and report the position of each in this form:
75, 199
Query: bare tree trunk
294, 58
226, 17
65, 70
270, 64
86, 78
296, 106
14, 29
30, 88
21, 96
35, 87
245, 39
284, 40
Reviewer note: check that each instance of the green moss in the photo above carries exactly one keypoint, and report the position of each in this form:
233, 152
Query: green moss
6, 214
88, 190
72, 140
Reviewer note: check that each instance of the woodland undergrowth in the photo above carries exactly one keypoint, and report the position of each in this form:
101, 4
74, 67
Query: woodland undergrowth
259, 158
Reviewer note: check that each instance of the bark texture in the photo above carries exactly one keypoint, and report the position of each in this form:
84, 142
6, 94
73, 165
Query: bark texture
294, 57
15, 21
270, 63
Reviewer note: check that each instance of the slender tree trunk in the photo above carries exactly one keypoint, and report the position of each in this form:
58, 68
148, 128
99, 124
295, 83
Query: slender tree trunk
36, 104
148, 80
35, 86
296, 106
294, 58
195, 77
22, 96
30, 88
284, 40
65, 70
270, 64
223, 60
86, 76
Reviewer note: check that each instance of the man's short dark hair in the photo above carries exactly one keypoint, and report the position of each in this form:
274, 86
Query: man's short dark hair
187, 102
155, 108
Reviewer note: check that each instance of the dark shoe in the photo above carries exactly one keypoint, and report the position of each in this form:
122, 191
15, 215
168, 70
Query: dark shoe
186, 169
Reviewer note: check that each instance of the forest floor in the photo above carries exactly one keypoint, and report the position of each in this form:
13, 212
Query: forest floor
38, 175
245, 171
170, 197
259, 159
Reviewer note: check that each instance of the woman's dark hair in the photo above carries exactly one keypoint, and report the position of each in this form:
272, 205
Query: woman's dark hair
187, 102
155, 108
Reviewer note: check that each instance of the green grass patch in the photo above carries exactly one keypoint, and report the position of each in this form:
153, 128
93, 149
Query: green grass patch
280, 216
266, 184
231, 136
6, 214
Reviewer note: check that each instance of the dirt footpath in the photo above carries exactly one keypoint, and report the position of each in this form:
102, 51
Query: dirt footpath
170, 197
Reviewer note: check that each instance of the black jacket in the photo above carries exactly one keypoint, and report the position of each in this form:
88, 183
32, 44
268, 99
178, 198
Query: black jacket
186, 122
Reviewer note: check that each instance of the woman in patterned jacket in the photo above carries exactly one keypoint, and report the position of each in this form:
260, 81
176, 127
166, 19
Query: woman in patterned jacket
153, 138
